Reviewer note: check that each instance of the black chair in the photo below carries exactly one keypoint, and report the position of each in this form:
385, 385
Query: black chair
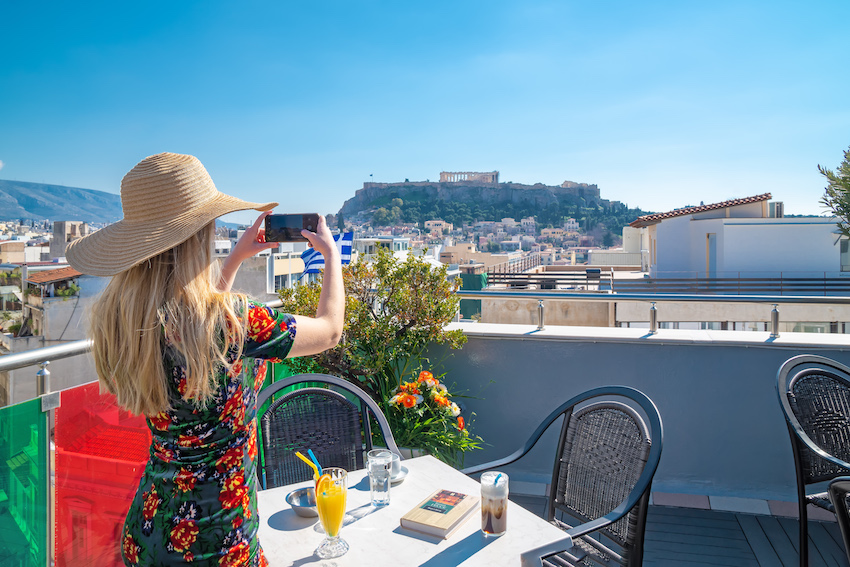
814, 393
604, 465
337, 430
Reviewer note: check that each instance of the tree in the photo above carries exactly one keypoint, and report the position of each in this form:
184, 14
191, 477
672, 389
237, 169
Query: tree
394, 311
837, 193
608, 239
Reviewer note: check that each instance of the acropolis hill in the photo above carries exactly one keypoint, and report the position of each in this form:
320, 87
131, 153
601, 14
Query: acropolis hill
469, 187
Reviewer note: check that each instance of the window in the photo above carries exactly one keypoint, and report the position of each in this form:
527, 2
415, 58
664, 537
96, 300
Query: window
845, 255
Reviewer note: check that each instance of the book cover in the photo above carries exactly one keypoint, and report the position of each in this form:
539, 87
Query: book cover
441, 513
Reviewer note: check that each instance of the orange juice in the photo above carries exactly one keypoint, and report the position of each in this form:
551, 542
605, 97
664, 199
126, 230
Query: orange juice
330, 503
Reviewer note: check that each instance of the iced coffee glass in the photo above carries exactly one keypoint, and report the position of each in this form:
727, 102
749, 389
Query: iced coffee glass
494, 503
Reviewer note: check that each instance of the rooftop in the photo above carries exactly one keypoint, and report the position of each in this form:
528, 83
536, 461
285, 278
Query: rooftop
51, 276
647, 220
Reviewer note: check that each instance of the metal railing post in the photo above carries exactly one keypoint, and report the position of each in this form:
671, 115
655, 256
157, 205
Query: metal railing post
49, 402
653, 319
540, 326
42, 379
774, 322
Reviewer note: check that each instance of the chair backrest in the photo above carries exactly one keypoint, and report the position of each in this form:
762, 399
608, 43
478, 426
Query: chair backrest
336, 429
607, 455
814, 393
602, 453
604, 448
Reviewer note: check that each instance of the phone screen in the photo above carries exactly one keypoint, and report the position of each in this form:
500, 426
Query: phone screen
287, 228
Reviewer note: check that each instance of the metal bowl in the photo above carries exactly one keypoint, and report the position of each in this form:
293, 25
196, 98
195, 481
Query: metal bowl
303, 502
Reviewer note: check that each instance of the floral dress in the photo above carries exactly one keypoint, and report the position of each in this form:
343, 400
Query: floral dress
197, 499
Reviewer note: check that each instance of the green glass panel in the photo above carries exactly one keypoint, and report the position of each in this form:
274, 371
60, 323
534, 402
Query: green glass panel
23, 484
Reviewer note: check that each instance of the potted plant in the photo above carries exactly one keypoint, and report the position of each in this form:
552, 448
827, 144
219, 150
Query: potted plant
395, 310
423, 416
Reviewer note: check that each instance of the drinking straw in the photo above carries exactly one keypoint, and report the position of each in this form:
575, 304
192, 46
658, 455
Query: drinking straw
315, 460
498, 476
309, 462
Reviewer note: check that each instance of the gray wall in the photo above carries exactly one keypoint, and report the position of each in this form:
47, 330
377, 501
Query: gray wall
724, 433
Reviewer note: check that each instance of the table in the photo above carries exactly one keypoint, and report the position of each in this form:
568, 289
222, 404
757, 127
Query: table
376, 538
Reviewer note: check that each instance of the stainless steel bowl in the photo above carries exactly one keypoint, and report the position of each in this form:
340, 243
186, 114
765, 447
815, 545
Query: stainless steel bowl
303, 502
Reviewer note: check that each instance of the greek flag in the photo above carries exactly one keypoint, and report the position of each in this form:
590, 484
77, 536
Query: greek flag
314, 261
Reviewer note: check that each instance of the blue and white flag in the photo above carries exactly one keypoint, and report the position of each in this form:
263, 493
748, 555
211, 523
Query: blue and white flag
314, 262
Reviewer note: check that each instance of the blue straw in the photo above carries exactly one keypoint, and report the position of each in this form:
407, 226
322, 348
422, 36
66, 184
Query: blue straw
498, 476
315, 460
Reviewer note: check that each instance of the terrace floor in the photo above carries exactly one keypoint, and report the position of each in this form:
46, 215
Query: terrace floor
694, 537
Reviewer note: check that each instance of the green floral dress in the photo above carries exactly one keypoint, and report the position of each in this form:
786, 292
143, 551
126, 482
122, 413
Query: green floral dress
197, 499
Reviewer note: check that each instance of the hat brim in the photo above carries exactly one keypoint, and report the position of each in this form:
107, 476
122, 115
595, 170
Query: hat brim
122, 245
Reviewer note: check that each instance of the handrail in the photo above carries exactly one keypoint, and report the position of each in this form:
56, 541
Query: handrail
658, 297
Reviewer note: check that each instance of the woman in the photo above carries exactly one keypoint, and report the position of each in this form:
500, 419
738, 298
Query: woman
174, 344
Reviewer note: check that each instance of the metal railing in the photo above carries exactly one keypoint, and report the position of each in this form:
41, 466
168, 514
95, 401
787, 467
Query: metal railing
654, 298
604, 280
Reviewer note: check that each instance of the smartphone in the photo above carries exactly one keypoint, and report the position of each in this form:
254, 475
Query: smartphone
287, 228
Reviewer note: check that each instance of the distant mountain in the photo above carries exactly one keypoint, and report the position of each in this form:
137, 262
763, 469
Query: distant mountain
39, 201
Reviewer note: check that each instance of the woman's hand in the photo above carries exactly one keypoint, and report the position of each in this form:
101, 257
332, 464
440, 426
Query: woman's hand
251, 243
322, 240
253, 240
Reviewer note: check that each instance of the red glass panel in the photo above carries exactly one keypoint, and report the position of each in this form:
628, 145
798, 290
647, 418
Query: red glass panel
101, 451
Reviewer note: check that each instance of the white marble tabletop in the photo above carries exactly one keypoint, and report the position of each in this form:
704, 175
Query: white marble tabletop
376, 538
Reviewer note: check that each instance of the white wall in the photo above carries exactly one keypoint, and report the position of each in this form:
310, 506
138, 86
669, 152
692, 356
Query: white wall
759, 247
788, 245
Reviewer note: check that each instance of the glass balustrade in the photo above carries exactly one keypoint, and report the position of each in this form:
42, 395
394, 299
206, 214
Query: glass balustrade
24, 477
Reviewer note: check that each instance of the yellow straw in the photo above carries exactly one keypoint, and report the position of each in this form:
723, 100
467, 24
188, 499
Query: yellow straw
308, 461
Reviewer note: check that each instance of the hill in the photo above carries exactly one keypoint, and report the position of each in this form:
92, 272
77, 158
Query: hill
40, 201
468, 202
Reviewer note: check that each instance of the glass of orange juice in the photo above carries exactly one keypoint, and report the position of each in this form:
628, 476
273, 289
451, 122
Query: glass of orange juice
331, 489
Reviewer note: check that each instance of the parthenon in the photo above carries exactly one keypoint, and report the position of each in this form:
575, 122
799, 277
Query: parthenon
454, 176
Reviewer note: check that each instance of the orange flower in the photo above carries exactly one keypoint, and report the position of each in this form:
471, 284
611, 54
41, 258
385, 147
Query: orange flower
425, 375
441, 400
184, 534
130, 549
460, 423
408, 401
252, 442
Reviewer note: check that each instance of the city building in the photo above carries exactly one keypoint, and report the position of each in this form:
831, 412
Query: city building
63, 233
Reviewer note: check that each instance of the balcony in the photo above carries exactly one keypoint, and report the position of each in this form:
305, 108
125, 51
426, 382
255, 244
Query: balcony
725, 486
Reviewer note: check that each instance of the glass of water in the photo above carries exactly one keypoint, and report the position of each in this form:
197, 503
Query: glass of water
379, 465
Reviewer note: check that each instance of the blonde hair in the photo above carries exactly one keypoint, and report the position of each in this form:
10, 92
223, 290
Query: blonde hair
171, 297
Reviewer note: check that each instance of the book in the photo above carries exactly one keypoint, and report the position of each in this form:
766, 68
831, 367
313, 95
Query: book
441, 513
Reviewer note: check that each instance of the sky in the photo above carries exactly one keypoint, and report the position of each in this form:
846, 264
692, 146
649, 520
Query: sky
662, 104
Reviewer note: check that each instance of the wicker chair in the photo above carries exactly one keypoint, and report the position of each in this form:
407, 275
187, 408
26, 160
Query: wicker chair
604, 465
336, 429
814, 393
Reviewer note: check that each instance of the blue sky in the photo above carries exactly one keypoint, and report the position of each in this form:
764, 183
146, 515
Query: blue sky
662, 104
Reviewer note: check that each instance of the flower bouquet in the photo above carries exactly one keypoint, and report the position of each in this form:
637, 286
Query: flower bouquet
423, 416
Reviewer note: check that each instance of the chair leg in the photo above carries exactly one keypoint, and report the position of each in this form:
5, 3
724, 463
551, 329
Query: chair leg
804, 533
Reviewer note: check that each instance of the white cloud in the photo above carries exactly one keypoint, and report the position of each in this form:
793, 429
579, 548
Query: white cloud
1, 164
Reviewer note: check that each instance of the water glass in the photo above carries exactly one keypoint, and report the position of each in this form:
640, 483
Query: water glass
379, 465
494, 503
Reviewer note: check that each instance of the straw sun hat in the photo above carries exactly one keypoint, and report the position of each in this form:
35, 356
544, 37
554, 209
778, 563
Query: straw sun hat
166, 198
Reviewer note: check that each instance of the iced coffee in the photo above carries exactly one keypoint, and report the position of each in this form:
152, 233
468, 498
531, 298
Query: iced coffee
494, 503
